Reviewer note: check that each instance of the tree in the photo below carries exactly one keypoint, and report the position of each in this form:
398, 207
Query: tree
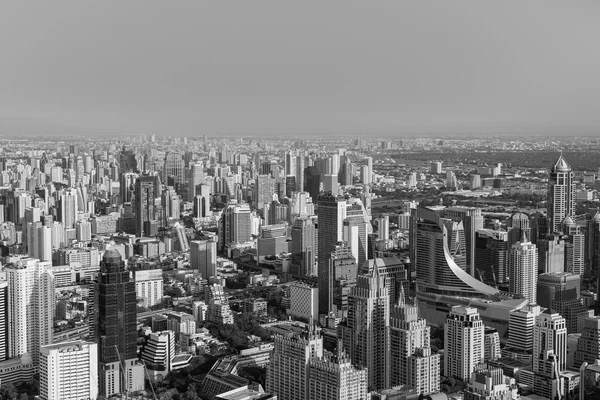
8, 392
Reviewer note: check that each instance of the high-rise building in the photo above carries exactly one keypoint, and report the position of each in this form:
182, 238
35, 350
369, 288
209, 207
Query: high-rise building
331, 214
366, 337
203, 257
438, 253
411, 361
264, 188
31, 305
356, 228
521, 332
69, 370
472, 221
145, 210
464, 341
288, 369
174, 166
577, 240
551, 253
304, 245
335, 378
344, 271
557, 286
588, 345
116, 328
312, 181
549, 333
491, 256
67, 208
159, 352
195, 177
383, 227
523, 270
561, 194
592, 246
235, 225
4, 323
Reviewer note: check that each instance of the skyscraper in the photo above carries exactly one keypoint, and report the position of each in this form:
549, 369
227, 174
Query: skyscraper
288, 369
67, 208
203, 257
235, 225
411, 361
174, 166
464, 341
331, 214
145, 210
588, 345
523, 270
472, 221
335, 378
31, 306
304, 245
367, 333
561, 194
491, 255
549, 333
116, 328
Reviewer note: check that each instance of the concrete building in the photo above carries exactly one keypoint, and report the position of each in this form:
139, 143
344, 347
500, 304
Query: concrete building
523, 270
203, 257
158, 353
304, 301
69, 371
561, 194
464, 341
149, 286
335, 378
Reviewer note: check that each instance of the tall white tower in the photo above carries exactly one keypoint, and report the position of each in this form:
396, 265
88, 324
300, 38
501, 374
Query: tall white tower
31, 306
464, 340
549, 333
561, 194
523, 270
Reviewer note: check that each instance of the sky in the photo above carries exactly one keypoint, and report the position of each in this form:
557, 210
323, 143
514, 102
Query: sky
300, 67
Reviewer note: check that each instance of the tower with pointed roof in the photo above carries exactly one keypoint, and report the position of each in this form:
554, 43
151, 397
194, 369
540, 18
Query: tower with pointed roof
368, 328
411, 360
561, 194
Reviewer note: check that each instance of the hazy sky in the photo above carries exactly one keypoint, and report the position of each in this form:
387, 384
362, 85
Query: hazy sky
252, 66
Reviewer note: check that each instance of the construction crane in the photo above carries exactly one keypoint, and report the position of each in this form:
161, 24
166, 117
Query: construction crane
122, 364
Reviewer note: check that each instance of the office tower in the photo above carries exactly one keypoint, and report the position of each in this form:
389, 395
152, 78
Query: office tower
523, 270
158, 353
576, 240
491, 384
145, 210
290, 185
411, 361
127, 187
464, 341
116, 328
549, 333
195, 177
592, 245
548, 382
551, 253
438, 255
331, 214
346, 175
299, 173
365, 176
31, 305
561, 194
519, 225
203, 257
472, 221
520, 333
383, 227
367, 330
39, 241
557, 286
174, 166
356, 227
235, 225
343, 271
330, 183
304, 245
288, 369
264, 188
588, 344
491, 256
69, 370
67, 208
335, 378
312, 181
436, 168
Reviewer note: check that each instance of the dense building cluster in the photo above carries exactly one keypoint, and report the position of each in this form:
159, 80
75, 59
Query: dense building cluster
129, 263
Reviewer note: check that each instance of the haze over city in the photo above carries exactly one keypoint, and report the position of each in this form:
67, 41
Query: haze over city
302, 68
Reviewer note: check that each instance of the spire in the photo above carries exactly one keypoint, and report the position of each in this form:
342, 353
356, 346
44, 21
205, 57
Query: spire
401, 297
